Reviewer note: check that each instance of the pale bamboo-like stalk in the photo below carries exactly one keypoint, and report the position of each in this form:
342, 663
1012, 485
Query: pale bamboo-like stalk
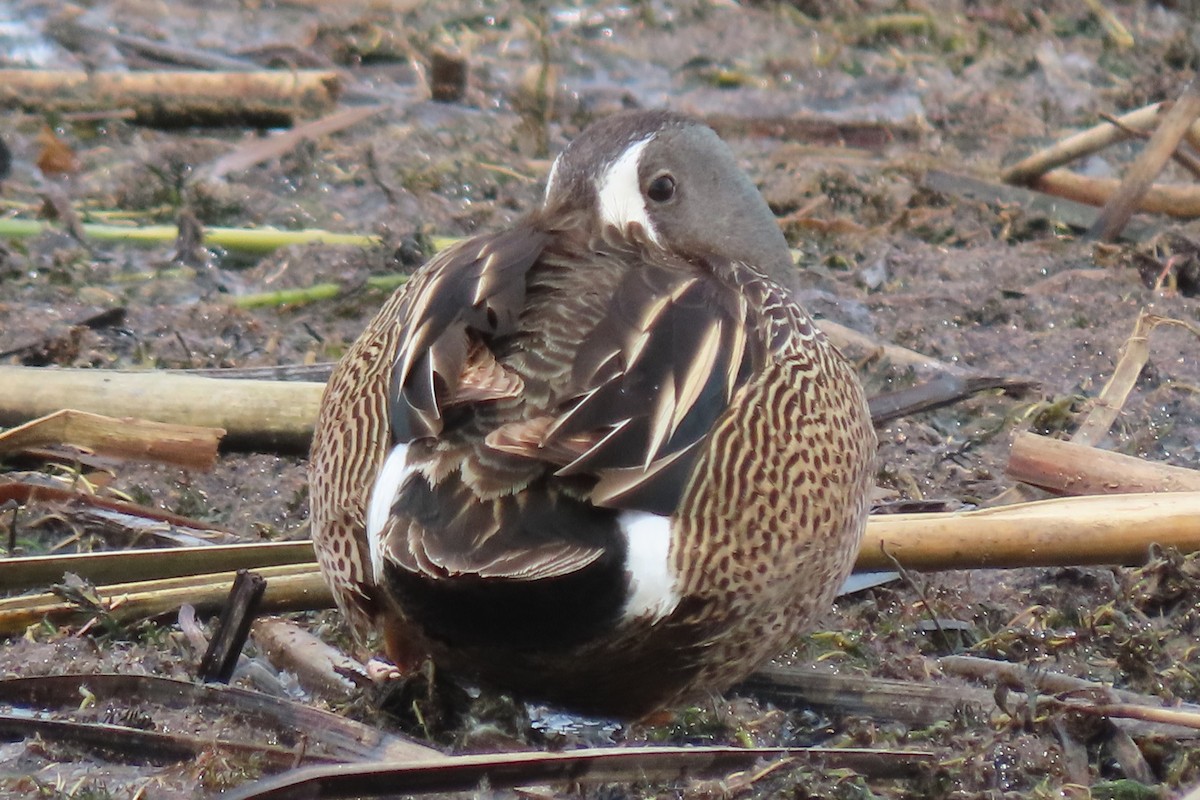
126, 566
320, 668
256, 414
126, 437
1085, 143
1141, 174
1074, 469
175, 97
1134, 355
1111, 529
289, 588
1176, 200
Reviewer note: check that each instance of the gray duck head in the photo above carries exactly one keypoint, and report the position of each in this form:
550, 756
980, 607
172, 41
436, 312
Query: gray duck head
673, 176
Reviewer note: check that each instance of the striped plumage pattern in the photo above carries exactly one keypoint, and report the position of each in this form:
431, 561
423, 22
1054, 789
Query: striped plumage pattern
548, 380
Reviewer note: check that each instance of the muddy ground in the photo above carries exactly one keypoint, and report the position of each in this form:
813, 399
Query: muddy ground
899, 88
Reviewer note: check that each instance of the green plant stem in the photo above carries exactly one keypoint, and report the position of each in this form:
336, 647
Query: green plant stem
311, 294
245, 240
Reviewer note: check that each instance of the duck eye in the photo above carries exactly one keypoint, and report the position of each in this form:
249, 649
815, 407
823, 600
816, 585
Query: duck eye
661, 189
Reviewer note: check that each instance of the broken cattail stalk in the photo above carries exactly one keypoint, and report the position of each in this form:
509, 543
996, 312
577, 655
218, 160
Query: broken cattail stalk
1134, 355
266, 415
1175, 200
319, 668
184, 445
1084, 530
266, 98
1023, 676
1087, 142
1141, 174
463, 773
257, 150
1066, 468
1115, 529
232, 628
324, 732
845, 338
812, 686
125, 566
289, 588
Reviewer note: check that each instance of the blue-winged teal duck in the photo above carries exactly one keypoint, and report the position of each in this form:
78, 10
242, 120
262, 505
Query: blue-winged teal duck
602, 458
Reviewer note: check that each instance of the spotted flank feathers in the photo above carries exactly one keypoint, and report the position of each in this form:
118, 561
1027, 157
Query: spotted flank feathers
601, 458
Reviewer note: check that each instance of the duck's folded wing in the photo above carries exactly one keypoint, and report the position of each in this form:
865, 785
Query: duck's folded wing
466, 298
476, 288
651, 381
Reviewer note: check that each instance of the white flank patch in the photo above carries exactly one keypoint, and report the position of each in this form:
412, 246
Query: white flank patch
550, 180
383, 494
621, 201
647, 561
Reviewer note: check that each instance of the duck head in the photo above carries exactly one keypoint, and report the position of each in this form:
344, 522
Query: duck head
671, 179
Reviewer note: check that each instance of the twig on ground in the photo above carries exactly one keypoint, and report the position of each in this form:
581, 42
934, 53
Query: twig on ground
342, 738
1181, 157
268, 98
1148, 164
127, 438
289, 588
1118, 34
845, 338
913, 703
1018, 676
1090, 141
946, 389
1107, 406
321, 669
133, 745
233, 627
1116, 529
1119, 529
1164, 716
1134, 355
272, 416
257, 150
465, 773
1066, 468
25, 492
1173, 200
277, 416
1078, 695
1034, 204
923, 704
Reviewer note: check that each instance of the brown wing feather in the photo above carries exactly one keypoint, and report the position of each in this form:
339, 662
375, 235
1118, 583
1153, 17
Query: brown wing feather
651, 380
484, 378
474, 289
